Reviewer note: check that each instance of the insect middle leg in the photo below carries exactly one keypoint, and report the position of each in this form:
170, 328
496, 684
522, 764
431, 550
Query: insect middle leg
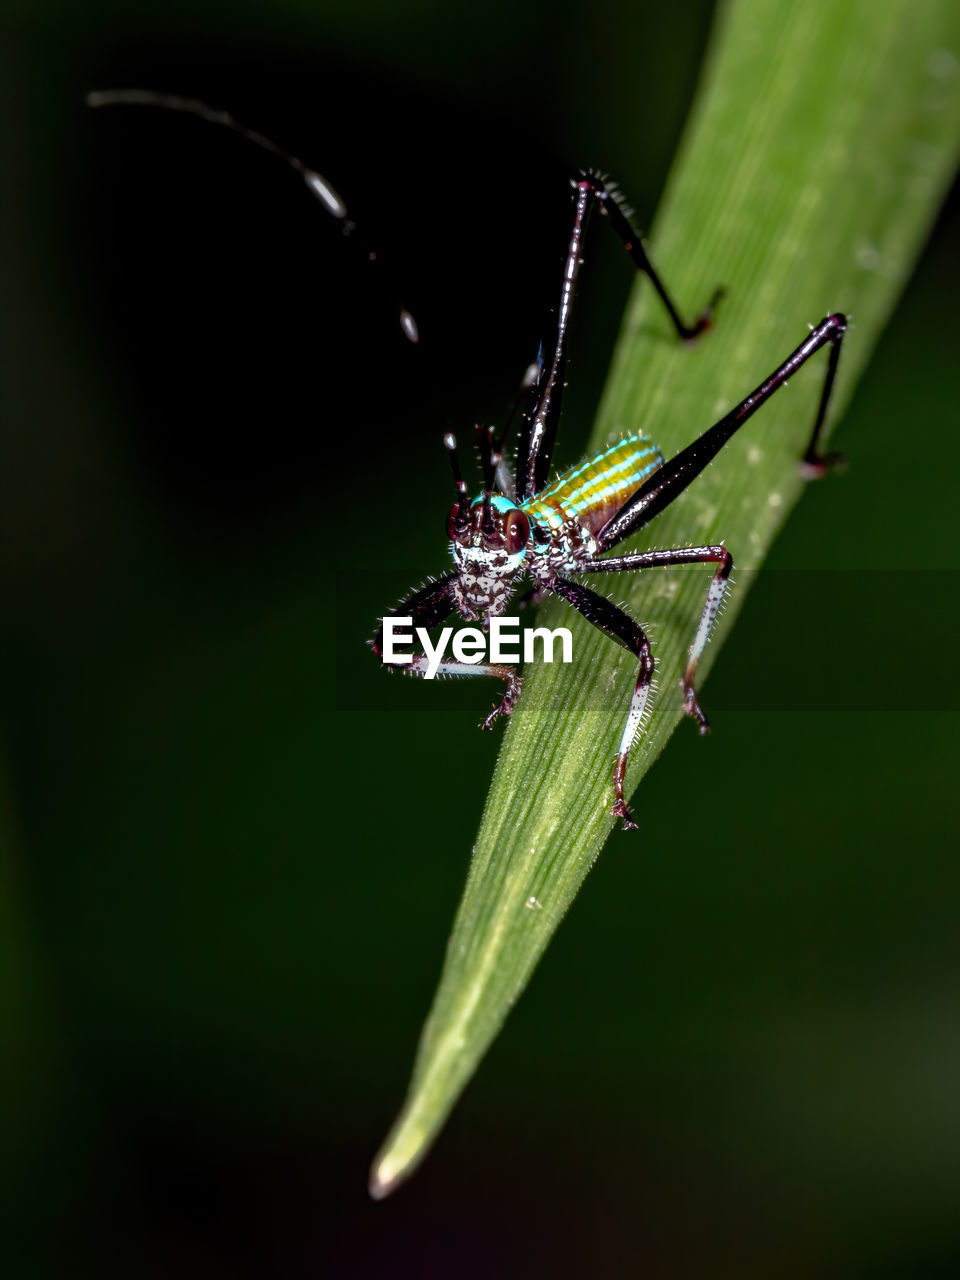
620, 627
427, 608
718, 555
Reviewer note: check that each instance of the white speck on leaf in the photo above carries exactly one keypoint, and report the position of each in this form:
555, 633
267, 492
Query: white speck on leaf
614, 673
942, 64
868, 256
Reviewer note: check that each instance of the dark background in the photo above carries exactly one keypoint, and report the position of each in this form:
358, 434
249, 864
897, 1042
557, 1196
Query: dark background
232, 849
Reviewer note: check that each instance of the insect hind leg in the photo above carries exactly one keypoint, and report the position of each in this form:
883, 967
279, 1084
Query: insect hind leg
670, 480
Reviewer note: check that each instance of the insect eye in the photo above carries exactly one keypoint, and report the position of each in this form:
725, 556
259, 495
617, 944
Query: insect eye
453, 530
516, 531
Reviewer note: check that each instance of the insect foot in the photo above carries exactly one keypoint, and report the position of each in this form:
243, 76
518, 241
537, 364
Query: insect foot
620, 807
622, 811
692, 707
817, 467
704, 322
505, 707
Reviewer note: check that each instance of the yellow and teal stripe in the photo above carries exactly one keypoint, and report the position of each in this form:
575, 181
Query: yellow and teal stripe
593, 491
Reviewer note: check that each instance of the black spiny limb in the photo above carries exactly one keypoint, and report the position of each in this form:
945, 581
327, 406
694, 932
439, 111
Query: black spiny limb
670, 480
539, 430
617, 624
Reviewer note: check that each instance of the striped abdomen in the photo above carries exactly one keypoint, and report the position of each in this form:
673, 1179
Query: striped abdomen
594, 491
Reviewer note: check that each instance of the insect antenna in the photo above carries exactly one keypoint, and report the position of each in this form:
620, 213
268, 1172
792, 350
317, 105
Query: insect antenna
485, 449
318, 186
462, 520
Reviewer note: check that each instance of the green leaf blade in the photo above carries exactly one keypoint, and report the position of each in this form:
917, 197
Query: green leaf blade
820, 146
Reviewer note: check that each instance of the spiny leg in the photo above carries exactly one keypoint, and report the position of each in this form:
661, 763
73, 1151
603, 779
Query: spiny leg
499, 671
815, 464
614, 208
540, 428
615, 623
427, 608
673, 477
716, 591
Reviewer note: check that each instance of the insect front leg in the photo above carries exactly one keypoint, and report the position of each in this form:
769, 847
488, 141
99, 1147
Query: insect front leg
427, 608
605, 615
718, 555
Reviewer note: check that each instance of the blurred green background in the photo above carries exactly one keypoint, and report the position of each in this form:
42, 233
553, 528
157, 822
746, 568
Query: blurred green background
232, 848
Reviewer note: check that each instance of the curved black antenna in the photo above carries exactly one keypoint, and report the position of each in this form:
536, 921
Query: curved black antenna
462, 520
484, 448
318, 186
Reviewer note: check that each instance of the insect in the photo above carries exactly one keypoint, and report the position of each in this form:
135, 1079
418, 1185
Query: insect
555, 532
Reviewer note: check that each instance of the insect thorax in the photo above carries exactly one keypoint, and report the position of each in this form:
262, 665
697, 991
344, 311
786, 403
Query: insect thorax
549, 534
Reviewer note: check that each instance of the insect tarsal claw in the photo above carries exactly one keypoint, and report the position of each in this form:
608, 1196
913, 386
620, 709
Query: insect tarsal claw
621, 810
